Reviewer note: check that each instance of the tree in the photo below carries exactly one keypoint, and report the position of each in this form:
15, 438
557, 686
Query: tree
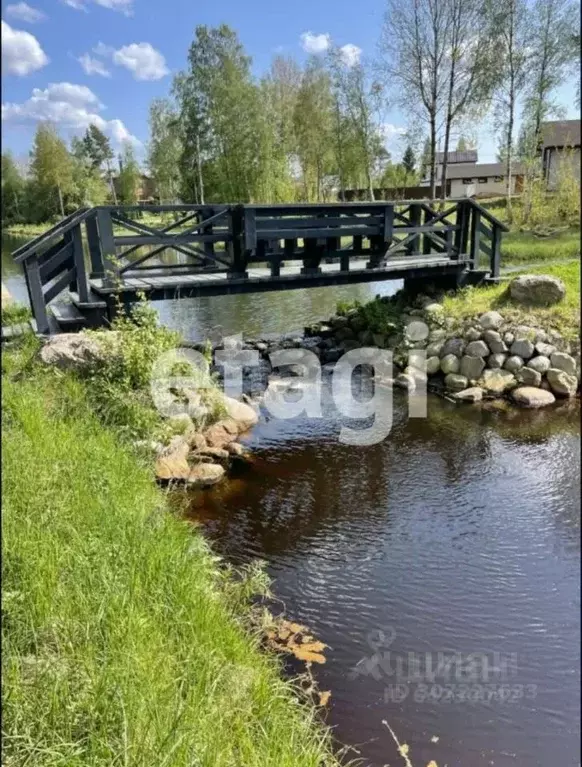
552, 54
164, 150
129, 176
51, 169
13, 190
98, 150
89, 187
461, 144
513, 37
409, 160
414, 47
470, 71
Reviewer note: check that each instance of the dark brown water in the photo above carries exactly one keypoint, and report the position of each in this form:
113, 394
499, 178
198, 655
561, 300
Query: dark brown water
458, 534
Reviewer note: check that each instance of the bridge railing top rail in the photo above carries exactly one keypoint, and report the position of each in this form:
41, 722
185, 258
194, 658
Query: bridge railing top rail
45, 239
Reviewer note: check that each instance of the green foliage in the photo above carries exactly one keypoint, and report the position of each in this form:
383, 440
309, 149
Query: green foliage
51, 171
164, 149
409, 160
13, 191
97, 147
123, 642
15, 314
129, 176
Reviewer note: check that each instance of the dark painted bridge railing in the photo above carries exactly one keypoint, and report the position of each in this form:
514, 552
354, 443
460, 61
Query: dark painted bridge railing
108, 243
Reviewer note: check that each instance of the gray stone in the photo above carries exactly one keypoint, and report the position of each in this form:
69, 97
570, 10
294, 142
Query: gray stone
417, 374
564, 362
541, 336
205, 475
540, 364
77, 351
537, 290
454, 346
243, 415
455, 383
338, 322
433, 365
528, 377
366, 337
529, 396
546, 349
561, 383
509, 338
513, 363
477, 349
344, 334
496, 360
434, 349
438, 334
472, 334
498, 381
522, 347
472, 367
491, 320
450, 364
433, 311
379, 340
474, 394
494, 341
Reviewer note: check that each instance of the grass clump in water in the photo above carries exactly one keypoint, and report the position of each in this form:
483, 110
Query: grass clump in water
123, 642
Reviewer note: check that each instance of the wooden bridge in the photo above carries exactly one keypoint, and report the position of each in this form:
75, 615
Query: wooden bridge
77, 270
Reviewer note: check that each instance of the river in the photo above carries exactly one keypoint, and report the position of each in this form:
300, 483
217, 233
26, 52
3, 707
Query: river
455, 540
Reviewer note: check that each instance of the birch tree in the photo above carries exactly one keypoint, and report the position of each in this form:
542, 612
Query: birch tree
164, 149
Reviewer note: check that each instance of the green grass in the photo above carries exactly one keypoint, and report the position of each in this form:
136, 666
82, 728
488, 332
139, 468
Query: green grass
525, 247
14, 313
123, 643
563, 317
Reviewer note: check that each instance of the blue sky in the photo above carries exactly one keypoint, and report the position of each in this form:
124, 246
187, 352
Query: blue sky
76, 61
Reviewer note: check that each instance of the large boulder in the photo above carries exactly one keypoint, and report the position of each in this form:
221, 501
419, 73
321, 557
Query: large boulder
564, 362
172, 461
454, 346
561, 383
537, 290
513, 363
433, 365
496, 360
528, 377
540, 364
450, 363
494, 341
498, 381
530, 396
221, 433
477, 349
522, 347
205, 475
72, 351
491, 320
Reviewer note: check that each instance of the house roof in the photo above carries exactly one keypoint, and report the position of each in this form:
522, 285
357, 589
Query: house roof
483, 169
457, 157
561, 133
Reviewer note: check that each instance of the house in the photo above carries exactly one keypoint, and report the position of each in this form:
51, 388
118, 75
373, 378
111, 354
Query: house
485, 179
453, 158
560, 144
146, 191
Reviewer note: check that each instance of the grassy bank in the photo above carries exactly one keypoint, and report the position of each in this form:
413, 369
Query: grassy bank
563, 317
123, 642
525, 247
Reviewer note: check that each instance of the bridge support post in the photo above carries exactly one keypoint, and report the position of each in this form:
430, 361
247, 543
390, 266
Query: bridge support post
312, 256
243, 232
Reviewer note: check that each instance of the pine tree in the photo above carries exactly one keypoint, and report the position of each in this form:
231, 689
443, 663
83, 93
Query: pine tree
409, 160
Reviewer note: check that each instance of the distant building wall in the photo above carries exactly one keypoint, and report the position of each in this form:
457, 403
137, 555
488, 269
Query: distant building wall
554, 161
483, 185
401, 193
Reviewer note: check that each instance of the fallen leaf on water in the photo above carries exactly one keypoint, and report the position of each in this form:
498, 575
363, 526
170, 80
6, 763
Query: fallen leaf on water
434, 739
324, 697
404, 749
432, 763
309, 657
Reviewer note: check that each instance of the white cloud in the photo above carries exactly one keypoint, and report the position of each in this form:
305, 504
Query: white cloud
123, 6
143, 60
25, 12
21, 51
391, 134
315, 43
69, 106
350, 54
92, 66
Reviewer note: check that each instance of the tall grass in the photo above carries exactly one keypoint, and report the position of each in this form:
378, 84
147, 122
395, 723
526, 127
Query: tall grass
123, 643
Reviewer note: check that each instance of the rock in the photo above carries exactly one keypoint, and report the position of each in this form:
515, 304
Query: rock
450, 363
472, 367
172, 462
344, 334
454, 346
434, 349
494, 341
357, 323
244, 415
513, 363
541, 336
563, 362
433, 365
537, 290
522, 347
491, 320
472, 334
540, 364
474, 394
455, 383
477, 349
366, 337
216, 454
529, 396
379, 340
73, 351
528, 377
438, 334
338, 322
417, 374
205, 474
498, 381
195, 439
546, 349
433, 310
496, 360
405, 381
561, 383
509, 338
221, 433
